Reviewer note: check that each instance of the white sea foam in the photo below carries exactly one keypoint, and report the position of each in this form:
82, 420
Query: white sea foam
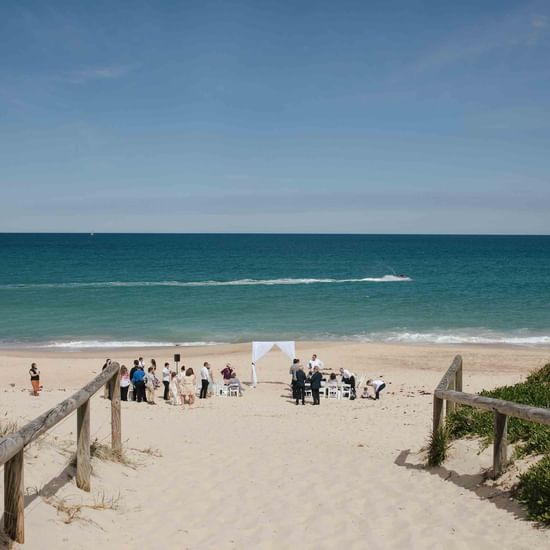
238, 282
516, 338
82, 344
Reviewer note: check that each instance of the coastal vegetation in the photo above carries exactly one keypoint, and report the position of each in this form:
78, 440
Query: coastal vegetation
528, 438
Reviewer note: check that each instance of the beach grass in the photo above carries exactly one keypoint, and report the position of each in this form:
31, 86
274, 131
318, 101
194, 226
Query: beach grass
529, 438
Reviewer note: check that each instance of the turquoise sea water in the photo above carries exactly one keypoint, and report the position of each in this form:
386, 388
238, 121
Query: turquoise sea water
83, 290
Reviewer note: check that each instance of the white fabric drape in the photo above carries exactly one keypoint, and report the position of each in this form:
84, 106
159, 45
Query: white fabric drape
259, 349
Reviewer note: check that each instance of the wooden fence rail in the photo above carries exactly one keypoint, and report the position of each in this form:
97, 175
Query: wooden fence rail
450, 391
12, 447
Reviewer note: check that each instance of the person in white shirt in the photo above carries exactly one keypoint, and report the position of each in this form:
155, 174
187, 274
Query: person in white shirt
348, 378
205, 376
314, 362
166, 377
378, 386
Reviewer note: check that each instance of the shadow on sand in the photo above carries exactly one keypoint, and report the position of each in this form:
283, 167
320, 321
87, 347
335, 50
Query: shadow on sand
498, 496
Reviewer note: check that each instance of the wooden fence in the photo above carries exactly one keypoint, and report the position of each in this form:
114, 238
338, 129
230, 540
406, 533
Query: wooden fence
450, 391
13, 446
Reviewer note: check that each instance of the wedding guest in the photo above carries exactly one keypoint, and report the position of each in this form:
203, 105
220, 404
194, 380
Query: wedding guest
188, 387
204, 381
292, 371
174, 389
166, 377
348, 378
138, 380
124, 383
300, 385
316, 379
314, 362
132, 372
156, 381
210, 380
235, 382
35, 379
377, 385
226, 373
332, 380
150, 385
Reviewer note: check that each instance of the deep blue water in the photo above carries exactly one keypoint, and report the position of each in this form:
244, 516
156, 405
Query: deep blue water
81, 289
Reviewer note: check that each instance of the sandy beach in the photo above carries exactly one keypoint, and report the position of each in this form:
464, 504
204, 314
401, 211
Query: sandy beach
260, 472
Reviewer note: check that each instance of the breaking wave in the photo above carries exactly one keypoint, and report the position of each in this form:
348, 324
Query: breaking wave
238, 282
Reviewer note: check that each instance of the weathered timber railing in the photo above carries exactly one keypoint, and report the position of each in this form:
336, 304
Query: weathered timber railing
450, 391
13, 446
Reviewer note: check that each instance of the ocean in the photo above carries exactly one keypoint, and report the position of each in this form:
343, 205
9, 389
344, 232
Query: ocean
101, 290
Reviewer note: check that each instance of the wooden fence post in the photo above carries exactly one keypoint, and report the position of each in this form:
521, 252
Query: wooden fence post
450, 406
501, 443
437, 414
116, 432
83, 466
14, 506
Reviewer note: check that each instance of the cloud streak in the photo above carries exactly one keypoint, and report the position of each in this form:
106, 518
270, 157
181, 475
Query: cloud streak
513, 31
89, 74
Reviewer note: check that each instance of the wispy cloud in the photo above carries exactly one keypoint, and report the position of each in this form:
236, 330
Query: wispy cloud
515, 30
107, 72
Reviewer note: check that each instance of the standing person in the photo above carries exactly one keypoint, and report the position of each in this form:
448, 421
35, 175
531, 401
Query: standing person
149, 380
226, 373
315, 381
166, 377
124, 383
204, 381
210, 381
174, 389
132, 372
141, 363
139, 385
188, 387
378, 386
300, 385
314, 362
293, 368
155, 378
35, 379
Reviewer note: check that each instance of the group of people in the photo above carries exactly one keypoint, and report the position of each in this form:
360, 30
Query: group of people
316, 379
178, 387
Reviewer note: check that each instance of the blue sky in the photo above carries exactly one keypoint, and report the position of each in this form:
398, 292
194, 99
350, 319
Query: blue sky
362, 117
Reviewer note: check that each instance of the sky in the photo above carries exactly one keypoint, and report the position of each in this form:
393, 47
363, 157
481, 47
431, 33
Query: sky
285, 116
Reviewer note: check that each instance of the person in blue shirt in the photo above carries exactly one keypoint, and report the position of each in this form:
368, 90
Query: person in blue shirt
139, 385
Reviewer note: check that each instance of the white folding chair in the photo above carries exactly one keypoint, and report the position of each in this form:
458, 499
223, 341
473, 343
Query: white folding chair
345, 391
223, 390
332, 392
233, 391
308, 390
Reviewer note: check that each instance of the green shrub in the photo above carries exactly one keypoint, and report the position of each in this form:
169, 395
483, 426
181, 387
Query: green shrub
531, 438
438, 446
534, 491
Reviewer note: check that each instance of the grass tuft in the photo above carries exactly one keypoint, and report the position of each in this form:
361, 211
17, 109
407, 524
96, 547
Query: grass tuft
8, 427
438, 446
72, 512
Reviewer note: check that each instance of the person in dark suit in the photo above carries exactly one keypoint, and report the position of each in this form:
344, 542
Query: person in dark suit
315, 381
300, 385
